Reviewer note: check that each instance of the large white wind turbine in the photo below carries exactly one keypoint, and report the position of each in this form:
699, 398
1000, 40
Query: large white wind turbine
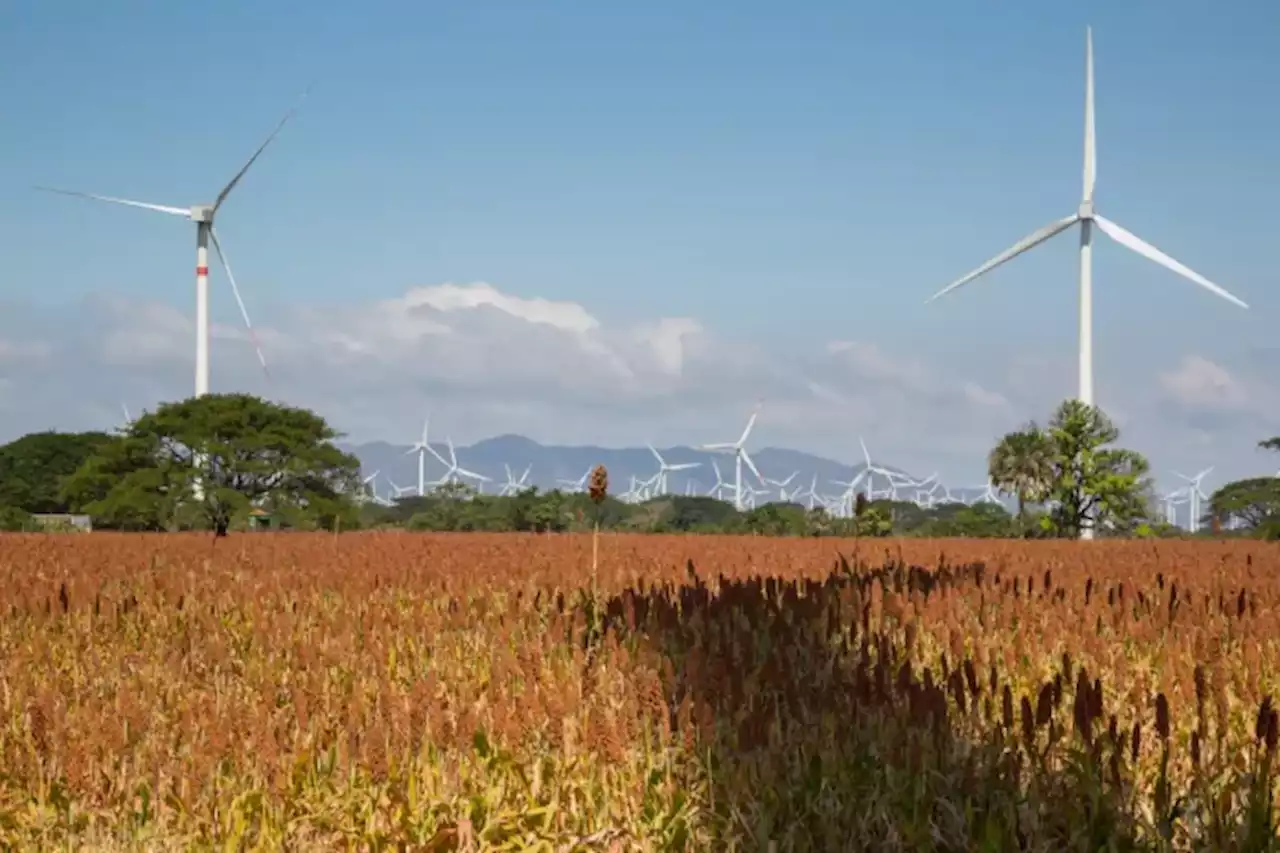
1087, 219
202, 215
739, 451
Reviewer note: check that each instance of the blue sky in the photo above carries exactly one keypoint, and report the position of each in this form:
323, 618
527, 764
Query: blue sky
786, 174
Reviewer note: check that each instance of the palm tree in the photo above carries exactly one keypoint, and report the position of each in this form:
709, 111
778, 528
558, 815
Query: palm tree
1022, 465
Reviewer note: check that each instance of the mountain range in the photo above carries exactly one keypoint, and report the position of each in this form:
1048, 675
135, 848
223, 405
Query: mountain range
550, 464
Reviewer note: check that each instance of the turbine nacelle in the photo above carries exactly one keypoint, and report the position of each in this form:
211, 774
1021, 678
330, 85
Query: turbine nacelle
1085, 213
202, 213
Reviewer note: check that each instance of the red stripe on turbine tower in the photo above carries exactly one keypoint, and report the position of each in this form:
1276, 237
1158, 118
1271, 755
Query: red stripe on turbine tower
202, 271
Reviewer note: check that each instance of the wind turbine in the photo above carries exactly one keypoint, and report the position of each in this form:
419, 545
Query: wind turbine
739, 451
455, 470
1087, 219
578, 485
203, 215
782, 486
1195, 494
661, 485
422, 448
514, 486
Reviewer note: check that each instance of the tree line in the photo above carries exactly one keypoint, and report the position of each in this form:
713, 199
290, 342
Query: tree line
225, 462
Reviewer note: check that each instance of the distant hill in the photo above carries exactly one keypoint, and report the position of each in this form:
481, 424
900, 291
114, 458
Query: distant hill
550, 464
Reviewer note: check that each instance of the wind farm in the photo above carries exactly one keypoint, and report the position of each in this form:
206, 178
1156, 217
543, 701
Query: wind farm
617, 484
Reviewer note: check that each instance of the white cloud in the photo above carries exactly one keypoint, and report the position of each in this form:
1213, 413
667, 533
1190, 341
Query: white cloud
486, 362
1198, 382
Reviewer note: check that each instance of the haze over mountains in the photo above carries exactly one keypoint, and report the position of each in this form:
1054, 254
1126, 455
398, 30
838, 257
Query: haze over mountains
550, 464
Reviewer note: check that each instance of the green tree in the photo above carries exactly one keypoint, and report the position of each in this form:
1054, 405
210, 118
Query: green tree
34, 467
1021, 464
1254, 502
16, 520
207, 460
1094, 485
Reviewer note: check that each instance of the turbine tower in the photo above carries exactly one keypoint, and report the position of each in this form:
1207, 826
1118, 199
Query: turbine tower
739, 451
203, 215
422, 447
1195, 494
1087, 219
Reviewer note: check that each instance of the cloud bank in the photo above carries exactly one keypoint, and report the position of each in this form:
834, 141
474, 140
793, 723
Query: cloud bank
484, 362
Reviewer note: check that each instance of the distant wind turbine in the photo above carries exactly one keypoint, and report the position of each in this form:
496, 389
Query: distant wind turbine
422, 447
1087, 219
740, 455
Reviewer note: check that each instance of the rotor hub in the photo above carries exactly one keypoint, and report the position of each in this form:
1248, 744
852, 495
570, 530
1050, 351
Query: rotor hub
1086, 211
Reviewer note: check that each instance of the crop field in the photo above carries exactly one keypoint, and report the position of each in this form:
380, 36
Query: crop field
492, 692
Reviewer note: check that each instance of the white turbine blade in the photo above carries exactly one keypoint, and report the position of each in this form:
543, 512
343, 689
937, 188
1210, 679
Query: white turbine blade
1204, 473
437, 455
1090, 144
146, 205
866, 454
656, 454
425, 423
750, 423
1024, 245
721, 447
1135, 243
413, 449
525, 475
752, 466
683, 466
235, 291
125, 409
222, 196
472, 474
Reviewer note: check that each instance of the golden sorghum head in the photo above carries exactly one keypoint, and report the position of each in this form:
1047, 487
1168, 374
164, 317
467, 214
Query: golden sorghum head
599, 486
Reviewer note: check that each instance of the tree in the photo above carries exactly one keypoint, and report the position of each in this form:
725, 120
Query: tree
208, 460
1094, 486
1021, 464
1254, 502
33, 468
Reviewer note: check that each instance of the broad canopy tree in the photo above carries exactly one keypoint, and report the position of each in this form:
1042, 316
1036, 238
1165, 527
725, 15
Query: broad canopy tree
1254, 502
33, 468
1071, 467
206, 461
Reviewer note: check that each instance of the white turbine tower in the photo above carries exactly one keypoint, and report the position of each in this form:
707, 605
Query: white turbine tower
422, 447
739, 451
1087, 219
661, 486
203, 215
1195, 494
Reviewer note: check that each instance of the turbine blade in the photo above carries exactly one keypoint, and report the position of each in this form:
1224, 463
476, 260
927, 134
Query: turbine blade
146, 205
425, 423
1025, 244
1090, 144
721, 447
235, 291
222, 196
657, 455
1135, 243
752, 466
750, 423
411, 450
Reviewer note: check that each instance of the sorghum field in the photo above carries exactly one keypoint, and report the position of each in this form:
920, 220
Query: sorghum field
490, 692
